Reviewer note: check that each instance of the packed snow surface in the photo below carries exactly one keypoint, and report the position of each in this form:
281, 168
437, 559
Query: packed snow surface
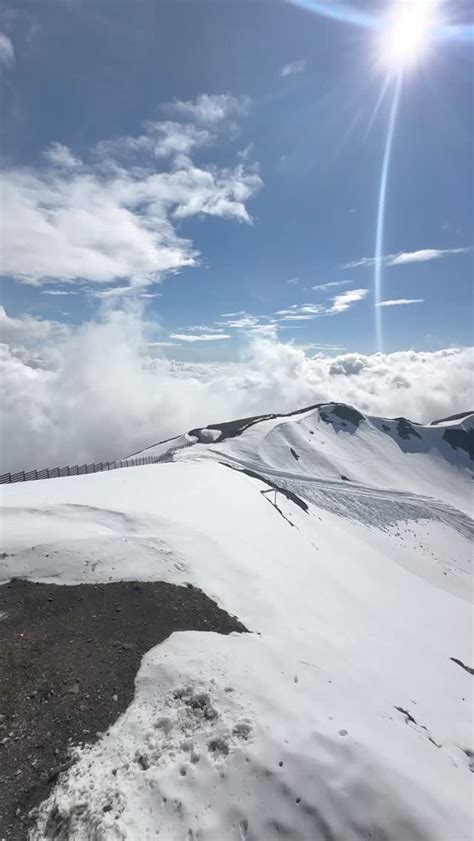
345, 549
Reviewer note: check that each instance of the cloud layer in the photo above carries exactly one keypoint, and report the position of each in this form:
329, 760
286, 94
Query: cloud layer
94, 393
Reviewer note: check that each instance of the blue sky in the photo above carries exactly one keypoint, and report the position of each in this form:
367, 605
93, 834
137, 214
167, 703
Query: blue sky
209, 158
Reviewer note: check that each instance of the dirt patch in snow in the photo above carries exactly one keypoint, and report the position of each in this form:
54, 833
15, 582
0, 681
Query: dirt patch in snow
68, 660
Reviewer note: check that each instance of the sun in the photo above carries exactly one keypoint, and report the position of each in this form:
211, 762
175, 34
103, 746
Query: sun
406, 35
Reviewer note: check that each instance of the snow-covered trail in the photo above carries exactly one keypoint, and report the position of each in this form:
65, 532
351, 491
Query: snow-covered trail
341, 495
340, 486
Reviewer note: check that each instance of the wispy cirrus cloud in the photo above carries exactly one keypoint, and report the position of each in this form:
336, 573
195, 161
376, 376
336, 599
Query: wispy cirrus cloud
398, 302
7, 52
203, 337
267, 326
58, 292
332, 284
423, 255
201, 328
163, 344
243, 321
345, 300
303, 312
293, 67
307, 312
250, 325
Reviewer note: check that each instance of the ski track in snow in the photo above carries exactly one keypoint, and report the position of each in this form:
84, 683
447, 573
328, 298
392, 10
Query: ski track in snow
341, 717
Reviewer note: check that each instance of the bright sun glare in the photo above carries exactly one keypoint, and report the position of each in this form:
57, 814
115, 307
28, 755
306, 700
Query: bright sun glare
409, 27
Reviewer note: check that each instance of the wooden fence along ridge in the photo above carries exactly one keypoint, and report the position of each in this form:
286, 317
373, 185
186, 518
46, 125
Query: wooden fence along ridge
77, 470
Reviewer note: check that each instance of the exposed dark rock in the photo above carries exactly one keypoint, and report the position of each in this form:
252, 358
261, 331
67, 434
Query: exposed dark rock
68, 660
459, 416
406, 429
345, 413
460, 438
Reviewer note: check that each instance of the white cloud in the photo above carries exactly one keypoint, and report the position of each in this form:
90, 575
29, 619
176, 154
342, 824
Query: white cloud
7, 52
232, 314
57, 292
204, 337
250, 325
106, 221
208, 117
100, 228
295, 317
423, 255
243, 322
264, 331
211, 109
177, 139
345, 300
202, 328
28, 331
400, 302
303, 312
163, 344
333, 284
404, 257
103, 373
293, 280
307, 312
161, 139
292, 68
61, 156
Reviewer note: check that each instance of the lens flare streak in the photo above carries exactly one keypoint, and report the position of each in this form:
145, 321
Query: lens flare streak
381, 211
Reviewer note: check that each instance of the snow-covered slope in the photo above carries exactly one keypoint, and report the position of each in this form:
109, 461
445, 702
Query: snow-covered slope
335, 442
342, 715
